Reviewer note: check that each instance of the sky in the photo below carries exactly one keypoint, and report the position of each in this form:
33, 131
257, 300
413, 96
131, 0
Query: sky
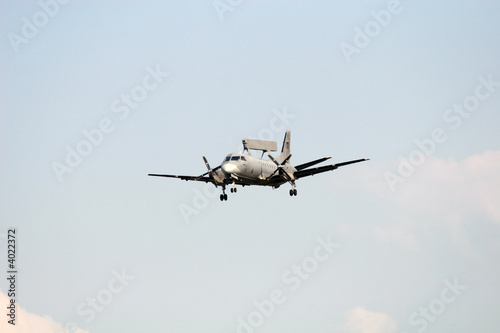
96, 95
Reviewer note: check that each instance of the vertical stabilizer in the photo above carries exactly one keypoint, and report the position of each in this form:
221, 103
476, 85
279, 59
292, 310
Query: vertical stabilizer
285, 149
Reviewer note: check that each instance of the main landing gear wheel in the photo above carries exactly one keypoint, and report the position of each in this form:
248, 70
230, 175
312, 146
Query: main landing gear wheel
223, 196
293, 192
233, 190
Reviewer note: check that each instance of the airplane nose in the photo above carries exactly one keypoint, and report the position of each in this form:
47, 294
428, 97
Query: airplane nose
229, 168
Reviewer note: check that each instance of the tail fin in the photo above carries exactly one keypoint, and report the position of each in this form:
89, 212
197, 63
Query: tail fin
285, 149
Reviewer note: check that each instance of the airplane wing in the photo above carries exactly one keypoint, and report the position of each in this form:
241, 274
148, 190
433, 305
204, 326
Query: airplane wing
309, 172
186, 178
201, 178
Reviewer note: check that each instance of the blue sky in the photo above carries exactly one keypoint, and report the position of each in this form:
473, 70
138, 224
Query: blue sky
156, 85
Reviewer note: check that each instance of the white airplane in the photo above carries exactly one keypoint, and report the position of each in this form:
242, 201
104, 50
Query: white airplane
245, 169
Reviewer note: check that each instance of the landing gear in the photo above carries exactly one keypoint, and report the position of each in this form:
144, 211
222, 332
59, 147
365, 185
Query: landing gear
223, 196
293, 191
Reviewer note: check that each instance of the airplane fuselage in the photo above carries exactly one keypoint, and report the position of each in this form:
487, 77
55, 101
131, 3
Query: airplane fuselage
254, 170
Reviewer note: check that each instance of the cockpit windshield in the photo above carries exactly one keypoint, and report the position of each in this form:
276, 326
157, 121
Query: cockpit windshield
234, 158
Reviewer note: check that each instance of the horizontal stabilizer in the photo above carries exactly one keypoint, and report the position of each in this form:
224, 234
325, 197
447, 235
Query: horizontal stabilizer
309, 164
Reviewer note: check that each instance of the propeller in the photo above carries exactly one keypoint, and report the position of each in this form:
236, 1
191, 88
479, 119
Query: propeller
210, 170
280, 167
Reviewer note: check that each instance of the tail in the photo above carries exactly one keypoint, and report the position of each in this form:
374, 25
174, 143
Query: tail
285, 149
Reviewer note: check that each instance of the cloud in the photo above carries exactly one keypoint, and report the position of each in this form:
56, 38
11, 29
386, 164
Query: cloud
454, 197
442, 197
449, 188
360, 320
27, 322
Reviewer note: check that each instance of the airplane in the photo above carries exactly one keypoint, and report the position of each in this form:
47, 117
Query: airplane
246, 169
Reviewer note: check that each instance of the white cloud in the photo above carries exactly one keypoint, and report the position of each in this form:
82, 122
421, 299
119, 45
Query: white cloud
360, 320
442, 197
449, 188
27, 322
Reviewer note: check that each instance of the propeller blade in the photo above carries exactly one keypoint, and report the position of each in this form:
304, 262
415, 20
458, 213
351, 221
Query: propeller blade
210, 170
206, 173
276, 162
273, 159
286, 175
206, 162
286, 159
271, 175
